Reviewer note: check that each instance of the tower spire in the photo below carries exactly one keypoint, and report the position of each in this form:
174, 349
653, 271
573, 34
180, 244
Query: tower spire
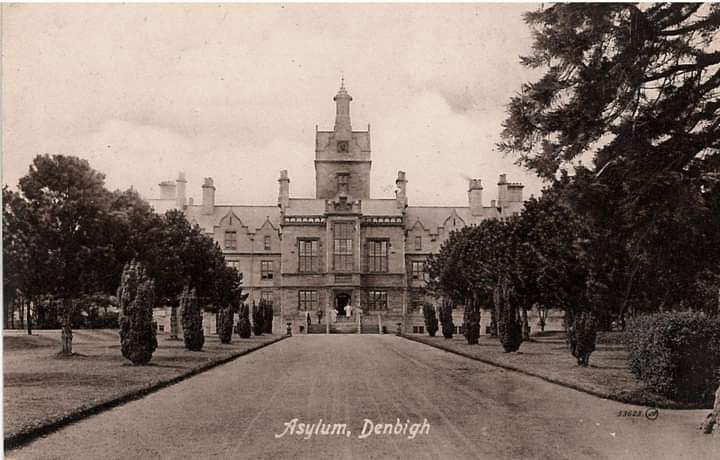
343, 128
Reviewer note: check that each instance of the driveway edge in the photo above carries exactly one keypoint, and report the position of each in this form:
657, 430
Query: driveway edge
24, 437
623, 398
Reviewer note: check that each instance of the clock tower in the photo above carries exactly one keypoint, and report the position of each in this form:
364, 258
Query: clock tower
342, 156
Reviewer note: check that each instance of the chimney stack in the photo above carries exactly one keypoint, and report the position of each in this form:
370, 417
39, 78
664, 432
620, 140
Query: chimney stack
284, 192
180, 191
401, 192
208, 196
475, 197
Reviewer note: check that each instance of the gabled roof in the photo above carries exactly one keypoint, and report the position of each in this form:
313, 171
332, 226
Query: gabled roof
433, 217
253, 217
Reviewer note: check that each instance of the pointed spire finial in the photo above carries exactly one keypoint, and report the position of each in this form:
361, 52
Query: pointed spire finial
342, 81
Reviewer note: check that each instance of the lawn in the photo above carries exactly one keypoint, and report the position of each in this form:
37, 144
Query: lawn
548, 357
41, 387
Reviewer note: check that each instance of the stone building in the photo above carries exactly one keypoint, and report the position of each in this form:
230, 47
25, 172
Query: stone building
342, 247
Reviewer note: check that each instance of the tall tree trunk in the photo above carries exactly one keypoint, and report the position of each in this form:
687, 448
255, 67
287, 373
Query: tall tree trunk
525, 324
20, 302
173, 322
29, 317
494, 313
713, 417
67, 326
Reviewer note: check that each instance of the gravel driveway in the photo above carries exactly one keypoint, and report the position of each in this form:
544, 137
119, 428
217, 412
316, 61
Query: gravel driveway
338, 396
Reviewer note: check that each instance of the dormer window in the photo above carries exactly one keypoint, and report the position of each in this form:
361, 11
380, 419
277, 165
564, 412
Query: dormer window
343, 181
343, 147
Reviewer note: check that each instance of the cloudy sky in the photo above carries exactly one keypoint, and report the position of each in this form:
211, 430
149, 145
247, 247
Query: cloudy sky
235, 91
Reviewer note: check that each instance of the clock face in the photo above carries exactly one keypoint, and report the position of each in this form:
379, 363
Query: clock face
342, 146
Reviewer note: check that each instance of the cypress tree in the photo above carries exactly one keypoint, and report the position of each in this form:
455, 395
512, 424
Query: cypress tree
431, 321
191, 320
448, 328
268, 320
471, 323
244, 329
137, 331
225, 324
258, 318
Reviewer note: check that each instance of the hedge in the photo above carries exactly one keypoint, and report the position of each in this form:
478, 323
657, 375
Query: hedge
676, 354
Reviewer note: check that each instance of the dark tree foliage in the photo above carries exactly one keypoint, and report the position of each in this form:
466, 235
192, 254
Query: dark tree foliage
677, 354
635, 87
258, 316
446, 320
431, 321
225, 324
471, 323
137, 329
268, 318
67, 246
244, 328
191, 320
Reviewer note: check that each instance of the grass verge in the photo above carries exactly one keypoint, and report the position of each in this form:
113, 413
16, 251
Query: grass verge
43, 392
548, 358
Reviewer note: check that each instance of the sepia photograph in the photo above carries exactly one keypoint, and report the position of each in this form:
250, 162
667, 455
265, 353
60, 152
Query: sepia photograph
360, 230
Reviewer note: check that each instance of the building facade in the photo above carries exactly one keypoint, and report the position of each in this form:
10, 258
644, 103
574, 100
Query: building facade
342, 247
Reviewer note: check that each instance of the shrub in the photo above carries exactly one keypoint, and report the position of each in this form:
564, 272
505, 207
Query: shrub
471, 324
676, 354
137, 330
244, 329
582, 336
446, 319
509, 326
191, 320
431, 321
258, 316
510, 330
225, 324
268, 319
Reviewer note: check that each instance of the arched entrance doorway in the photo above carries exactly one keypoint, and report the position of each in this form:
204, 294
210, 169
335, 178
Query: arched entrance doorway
341, 301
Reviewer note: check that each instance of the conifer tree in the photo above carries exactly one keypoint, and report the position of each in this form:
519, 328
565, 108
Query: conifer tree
268, 320
225, 324
137, 330
446, 319
258, 318
471, 323
191, 320
244, 328
431, 321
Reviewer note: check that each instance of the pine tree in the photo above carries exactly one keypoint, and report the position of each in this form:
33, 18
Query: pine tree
191, 320
258, 318
448, 328
471, 323
244, 329
509, 322
225, 324
137, 330
268, 320
431, 321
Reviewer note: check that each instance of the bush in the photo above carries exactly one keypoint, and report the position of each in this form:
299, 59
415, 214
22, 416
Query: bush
676, 354
137, 330
225, 324
258, 316
509, 326
471, 324
582, 336
191, 320
431, 321
268, 319
446, 319
244, 329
